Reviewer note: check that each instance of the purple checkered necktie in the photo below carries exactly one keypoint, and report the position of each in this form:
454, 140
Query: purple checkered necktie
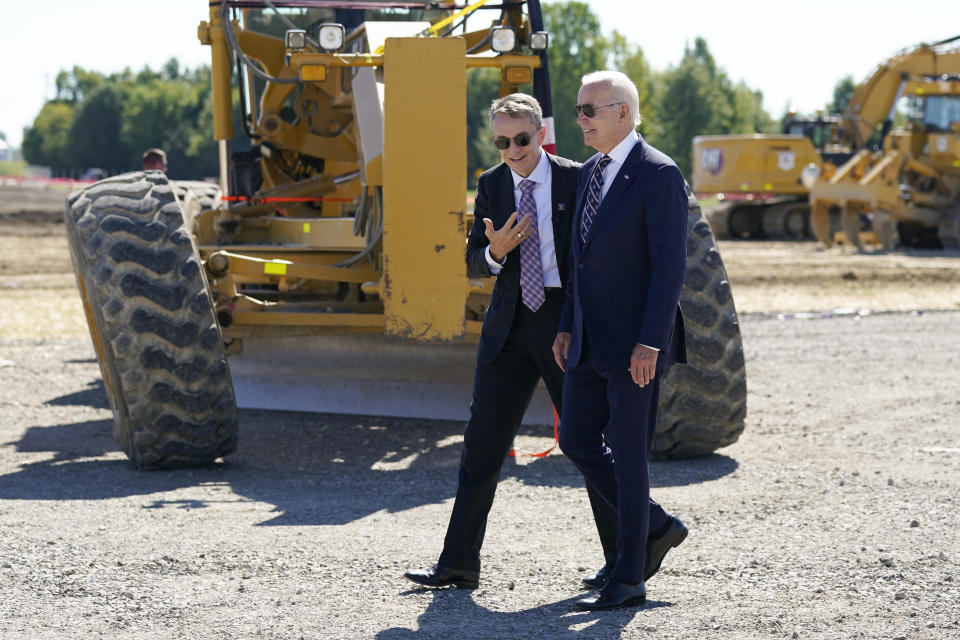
531, 271
594, 192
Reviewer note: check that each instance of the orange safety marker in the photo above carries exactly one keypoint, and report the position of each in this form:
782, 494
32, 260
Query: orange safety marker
543, 454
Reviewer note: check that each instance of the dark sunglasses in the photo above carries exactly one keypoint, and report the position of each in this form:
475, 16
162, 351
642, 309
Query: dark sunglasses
503, 142
589, 110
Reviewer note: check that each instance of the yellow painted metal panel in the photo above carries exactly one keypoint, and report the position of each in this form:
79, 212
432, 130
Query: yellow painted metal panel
275, 268
424, 174
220, 74
328, 234
313, 73
751, 163
280, 318
246, 265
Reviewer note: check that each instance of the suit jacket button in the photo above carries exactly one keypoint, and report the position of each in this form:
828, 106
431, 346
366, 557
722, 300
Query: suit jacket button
580, 266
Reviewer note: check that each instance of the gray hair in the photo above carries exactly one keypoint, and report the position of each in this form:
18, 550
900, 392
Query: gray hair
517, 105
621, 86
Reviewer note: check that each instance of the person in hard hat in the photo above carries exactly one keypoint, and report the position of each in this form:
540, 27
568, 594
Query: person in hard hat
155, 160
521, 234
621, 326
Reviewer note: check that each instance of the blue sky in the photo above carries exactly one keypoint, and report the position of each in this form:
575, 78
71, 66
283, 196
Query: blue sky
795, 60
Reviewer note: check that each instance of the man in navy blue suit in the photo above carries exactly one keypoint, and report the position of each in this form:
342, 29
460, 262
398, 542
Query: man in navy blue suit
521, 234
621, 325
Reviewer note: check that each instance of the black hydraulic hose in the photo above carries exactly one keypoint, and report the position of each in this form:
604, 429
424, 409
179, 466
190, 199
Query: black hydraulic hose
313, 43
232, 41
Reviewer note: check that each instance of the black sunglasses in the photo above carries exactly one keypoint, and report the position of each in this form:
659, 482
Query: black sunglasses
589, 110
503, 142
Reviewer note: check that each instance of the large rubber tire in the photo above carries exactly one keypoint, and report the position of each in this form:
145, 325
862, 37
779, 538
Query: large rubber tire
152, 321
195, 198
703, 403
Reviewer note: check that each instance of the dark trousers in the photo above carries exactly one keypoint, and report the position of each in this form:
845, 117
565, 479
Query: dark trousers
502, 390
607, 432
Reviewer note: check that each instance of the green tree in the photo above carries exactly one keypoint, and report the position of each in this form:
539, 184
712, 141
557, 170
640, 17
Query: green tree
629, 59
74, 85
108, 121
45, 142
94, 139
160, 112
842, 92
689, 103
482, 88
749, 116
697, 97
577, 47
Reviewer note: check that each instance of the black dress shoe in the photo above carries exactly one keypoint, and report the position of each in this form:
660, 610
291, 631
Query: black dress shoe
614, 595
657, 547
599, 579
440, 576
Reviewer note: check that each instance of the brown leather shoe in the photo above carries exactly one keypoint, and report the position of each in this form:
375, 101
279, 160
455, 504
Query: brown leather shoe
657, 547
614, 595
440, 576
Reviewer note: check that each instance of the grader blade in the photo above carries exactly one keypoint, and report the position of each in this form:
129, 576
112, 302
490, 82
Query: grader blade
363, 375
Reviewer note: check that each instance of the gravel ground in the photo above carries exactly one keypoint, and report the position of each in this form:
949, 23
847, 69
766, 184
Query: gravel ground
834, 516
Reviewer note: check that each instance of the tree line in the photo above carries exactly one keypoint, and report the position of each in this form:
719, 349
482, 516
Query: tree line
692, 98
107, 121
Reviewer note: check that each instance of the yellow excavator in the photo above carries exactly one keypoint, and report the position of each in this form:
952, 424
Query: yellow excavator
759, 177
325, 271
766, 179
909, 188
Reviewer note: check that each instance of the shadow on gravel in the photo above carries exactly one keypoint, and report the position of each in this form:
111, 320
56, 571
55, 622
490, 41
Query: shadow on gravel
316, 469
93, 396
452, 611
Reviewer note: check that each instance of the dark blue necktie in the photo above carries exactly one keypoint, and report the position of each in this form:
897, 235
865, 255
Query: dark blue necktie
594, 191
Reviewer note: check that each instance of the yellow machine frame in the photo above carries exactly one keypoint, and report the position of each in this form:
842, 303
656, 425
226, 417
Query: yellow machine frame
297, 238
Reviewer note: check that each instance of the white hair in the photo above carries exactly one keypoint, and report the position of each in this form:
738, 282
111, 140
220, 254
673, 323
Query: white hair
621, 86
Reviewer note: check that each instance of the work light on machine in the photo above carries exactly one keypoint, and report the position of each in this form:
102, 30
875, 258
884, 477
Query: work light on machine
503, 39
295, 39
809, 175
539, 40
331, 36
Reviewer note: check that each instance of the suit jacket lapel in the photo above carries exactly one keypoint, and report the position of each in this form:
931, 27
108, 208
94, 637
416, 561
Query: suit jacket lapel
560, 214
587, 170
627, 174
505, 204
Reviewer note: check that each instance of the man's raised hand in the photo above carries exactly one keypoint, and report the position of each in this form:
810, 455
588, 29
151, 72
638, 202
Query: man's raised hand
506, 238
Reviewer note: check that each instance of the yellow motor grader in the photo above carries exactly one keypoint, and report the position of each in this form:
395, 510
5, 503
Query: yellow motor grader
909, 189
325, 271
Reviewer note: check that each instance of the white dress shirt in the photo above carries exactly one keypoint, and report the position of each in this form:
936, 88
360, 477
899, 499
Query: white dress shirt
542, 175
618, 155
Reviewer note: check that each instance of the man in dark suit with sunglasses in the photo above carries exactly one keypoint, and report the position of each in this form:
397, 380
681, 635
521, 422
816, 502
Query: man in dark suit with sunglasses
521, 234
621, 325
